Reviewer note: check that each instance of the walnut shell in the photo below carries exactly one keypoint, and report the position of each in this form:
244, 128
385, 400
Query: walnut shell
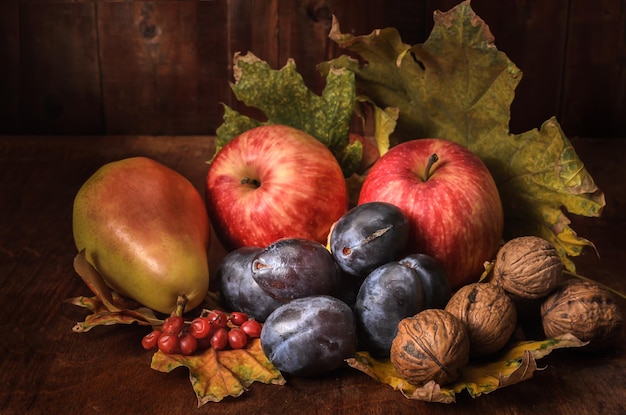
489, 314
527, 267
585, 309
432, 345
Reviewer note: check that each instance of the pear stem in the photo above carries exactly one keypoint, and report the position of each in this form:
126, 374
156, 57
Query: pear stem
431, 160
181, 302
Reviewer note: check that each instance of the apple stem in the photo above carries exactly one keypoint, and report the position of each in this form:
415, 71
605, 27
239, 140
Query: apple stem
431, 160
252, 182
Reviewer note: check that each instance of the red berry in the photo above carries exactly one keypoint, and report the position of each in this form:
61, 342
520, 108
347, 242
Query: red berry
218, 318
187, 343
173, 325
200, 328
169, 343
219, 340
237, 339
238, 317
150, 340
223, 316
252, 328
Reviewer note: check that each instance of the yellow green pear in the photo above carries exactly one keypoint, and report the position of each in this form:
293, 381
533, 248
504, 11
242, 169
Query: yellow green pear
144, 228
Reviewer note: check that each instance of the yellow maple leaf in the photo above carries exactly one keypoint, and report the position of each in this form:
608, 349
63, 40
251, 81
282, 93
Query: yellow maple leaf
513, 365
215, 375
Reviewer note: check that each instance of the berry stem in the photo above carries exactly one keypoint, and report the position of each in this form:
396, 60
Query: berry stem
431, 160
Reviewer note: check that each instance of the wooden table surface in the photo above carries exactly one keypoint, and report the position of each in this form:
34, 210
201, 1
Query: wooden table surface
45, 368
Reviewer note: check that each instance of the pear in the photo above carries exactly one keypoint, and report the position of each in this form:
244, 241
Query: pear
145, 230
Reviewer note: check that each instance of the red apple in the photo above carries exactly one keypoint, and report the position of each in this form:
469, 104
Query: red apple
451, 200
274, 182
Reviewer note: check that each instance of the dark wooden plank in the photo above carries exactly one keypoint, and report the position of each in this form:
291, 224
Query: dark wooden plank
58, 64
214, 60
9, 70
163, 66
251, 28
412, 19
594, 95
262, 20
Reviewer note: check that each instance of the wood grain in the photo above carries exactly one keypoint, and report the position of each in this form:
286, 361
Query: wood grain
59, 70
10, 70
594, 90
100, 67
161, 64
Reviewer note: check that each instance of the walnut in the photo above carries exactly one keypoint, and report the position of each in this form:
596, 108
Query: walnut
527, 267
489, 314
432, 345
585, 309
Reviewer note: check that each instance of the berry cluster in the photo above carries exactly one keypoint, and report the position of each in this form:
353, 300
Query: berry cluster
213, 328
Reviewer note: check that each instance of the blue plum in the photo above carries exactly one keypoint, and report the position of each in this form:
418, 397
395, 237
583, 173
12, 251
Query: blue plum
367, 236
292, 268
309, 336
239, 290
434, 279
388, 294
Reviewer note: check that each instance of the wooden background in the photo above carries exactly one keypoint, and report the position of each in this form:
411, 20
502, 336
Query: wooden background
163, 67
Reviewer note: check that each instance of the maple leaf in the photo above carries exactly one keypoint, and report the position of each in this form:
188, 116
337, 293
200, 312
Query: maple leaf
513, 365
215, 375
457, 85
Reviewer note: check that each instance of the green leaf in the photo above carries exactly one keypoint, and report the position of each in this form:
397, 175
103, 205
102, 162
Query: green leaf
283, 98
515, 364
457, 85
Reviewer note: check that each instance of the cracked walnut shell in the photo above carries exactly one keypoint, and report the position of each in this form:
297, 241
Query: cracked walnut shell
585, 309
431, 345
489, 314
527, 267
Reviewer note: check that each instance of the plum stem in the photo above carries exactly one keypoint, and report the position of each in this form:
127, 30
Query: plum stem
431, 160
252, 182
